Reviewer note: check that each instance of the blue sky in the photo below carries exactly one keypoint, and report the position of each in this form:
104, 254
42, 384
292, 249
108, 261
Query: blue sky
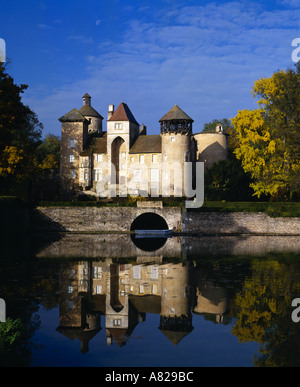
202, 55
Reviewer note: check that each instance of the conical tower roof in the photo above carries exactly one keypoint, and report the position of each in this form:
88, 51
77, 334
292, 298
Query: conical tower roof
73, 116
174, 337
176, 114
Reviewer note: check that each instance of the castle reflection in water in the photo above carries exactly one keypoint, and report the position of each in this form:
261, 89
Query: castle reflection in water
109, 275
125, 293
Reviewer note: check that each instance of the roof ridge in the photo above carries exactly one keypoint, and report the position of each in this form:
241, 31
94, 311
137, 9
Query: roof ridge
72, 115
176, 113
123, 113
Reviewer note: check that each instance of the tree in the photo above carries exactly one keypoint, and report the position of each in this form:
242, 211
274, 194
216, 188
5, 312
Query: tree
226, 180
20, 130
211, 126
48, 152
269, 136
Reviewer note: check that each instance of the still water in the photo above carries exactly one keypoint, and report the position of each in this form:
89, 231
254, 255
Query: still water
110, 301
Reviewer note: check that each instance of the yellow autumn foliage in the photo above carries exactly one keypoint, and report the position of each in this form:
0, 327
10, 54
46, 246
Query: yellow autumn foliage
10, 160
268, 137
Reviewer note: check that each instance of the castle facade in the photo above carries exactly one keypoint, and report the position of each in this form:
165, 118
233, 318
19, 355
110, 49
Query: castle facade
124, 159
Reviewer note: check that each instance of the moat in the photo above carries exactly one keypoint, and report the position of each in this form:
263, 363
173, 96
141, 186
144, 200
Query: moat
110, 301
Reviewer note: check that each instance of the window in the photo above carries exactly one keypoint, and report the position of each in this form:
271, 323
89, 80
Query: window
86, 175
98, 289
141, 289
137, 175
99, 157
154, 289
117, 322
73, 173
72, 143
165, 157
123, 154
154, 175
172, 138
132, 159
154, 159
70, 289
97, 174
70, 305
71, 158
136, 272
154, 272
142, 159
97, 272
118, 126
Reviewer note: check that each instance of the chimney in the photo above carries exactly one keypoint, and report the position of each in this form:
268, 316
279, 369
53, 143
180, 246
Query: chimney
143, 130
86, 99
219, 128
111, 109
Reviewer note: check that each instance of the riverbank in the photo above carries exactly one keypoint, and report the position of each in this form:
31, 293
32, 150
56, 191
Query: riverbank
102, 219
214, 218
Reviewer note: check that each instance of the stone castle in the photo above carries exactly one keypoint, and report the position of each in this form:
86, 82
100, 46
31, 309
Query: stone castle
125, 158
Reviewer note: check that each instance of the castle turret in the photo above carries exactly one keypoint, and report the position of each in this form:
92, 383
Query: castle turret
176, 131
175, 316
211, 146
74, 135
91, 114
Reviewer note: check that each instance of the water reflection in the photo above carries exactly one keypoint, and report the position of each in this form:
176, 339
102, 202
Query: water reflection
105, 286
125, 293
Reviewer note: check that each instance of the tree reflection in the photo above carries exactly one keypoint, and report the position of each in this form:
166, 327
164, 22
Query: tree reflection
263, 313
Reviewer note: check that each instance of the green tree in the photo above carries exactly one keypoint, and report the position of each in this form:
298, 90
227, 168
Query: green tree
20, 130
226, 180
48, 152
269, 136
210, 127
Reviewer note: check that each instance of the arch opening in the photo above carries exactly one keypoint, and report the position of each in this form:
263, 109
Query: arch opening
117, 147
148, 221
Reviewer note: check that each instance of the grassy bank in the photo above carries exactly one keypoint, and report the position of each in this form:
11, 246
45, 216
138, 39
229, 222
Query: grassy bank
274, 209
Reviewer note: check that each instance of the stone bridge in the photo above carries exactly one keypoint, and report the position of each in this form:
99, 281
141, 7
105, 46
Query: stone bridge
104, 219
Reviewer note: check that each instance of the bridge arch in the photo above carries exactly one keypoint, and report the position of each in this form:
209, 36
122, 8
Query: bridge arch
149, 221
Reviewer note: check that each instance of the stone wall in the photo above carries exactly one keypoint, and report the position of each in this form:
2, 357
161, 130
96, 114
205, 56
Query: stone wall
97, 219
106, 219
213, 223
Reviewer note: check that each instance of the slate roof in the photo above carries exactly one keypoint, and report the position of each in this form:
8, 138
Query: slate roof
89, 111
176, 114
95, 145
147, 144
123, 113
73, 116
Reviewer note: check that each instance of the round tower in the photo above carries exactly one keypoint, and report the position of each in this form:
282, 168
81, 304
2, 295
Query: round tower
211, 147
176, 131
175, 315
91, 114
